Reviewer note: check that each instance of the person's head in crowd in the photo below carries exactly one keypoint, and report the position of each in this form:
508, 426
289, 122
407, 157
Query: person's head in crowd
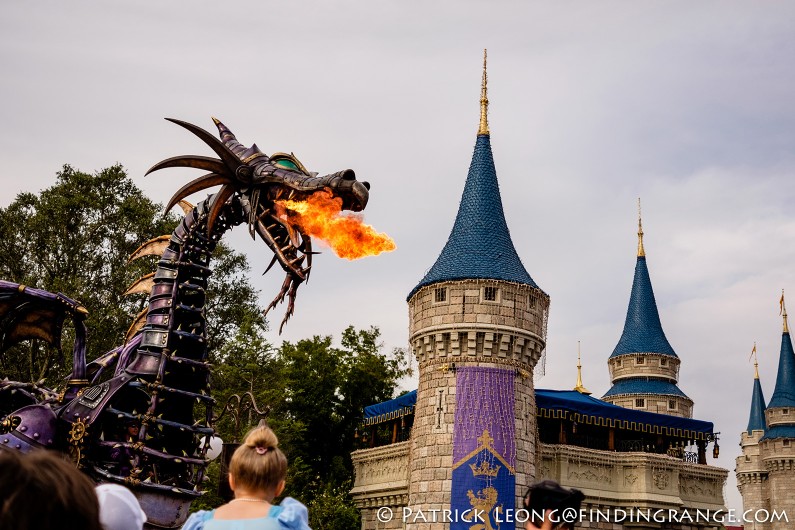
258, 465
119, 509
42, 491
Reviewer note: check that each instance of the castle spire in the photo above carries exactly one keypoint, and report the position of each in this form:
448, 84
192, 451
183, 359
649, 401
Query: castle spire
479, 245
756, 362
641, 251
484, 101
580, 388
643, 332
756, 420
784, 394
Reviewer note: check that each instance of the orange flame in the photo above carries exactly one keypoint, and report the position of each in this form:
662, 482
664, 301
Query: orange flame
347, 235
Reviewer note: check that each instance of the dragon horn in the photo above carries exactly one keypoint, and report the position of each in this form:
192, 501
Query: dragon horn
232, 162
198, 162
203, 182
218, 201
245, 154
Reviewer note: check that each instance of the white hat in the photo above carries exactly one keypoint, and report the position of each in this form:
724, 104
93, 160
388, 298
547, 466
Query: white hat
119, 509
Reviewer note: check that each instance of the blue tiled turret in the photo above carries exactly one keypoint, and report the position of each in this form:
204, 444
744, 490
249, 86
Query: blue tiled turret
643, 332
479, 246
784, 394
644, 368
756, 421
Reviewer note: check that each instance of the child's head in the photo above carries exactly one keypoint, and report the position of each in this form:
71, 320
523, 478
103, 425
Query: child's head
259, 464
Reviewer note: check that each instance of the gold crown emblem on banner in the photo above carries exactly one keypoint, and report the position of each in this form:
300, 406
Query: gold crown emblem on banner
483, 469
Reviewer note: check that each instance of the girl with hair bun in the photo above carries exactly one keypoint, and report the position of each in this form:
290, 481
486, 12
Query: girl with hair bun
256, 476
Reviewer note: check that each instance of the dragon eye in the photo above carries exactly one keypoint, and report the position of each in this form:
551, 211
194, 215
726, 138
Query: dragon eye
286, 164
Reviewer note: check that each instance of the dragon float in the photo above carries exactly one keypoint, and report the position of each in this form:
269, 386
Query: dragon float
141, 414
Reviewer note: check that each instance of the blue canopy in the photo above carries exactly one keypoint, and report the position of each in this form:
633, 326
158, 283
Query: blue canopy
389, 410
586, 409
570, 404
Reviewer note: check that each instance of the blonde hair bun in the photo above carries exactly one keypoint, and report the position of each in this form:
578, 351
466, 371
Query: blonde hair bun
262, 437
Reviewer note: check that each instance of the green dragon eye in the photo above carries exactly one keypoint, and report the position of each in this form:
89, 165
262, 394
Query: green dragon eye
287, 164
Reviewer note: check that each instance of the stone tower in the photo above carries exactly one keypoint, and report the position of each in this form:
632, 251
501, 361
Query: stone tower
643, 366
477, 325
750, 470
777, 446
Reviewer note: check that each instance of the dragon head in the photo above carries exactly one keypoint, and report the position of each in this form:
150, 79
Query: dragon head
258, 181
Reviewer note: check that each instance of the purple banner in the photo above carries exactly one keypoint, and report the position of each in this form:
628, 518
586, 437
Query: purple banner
484, 401
484, 446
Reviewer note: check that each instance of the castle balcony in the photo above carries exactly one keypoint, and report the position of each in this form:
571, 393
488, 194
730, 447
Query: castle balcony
638, 480
382, 476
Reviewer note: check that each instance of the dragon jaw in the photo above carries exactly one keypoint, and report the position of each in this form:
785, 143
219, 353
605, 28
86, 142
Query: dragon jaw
258, 181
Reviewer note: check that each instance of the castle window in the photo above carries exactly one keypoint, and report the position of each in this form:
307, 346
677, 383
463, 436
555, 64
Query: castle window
785, 411
618, 363
640, 402
446, 342
663, 362
440, 294
640, 360
490, 294
747, 458
671, 404
786, 443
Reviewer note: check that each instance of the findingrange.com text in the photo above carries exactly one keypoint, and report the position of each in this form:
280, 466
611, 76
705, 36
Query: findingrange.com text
570, 515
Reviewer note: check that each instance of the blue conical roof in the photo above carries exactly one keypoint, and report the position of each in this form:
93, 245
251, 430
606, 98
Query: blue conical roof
756, 422
784, 394
643, 332
479, 246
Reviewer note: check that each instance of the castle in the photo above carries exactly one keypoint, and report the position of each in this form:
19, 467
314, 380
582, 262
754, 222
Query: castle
766, 469
476, 433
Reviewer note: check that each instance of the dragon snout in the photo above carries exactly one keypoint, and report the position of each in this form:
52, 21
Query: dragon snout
361, 191
354, 193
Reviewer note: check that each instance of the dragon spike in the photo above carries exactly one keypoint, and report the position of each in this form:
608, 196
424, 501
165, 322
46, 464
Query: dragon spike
201, 183
141, 285
153, 247
186, 206
137, 324
272, 263
218, 201
229, 158
194, 161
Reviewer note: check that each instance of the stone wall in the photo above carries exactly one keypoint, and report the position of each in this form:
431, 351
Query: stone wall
752, 477
644, 364
683, 407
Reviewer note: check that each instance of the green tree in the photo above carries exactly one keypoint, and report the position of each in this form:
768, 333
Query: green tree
326, 390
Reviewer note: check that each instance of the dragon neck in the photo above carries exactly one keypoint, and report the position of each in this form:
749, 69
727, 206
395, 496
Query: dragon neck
175, 323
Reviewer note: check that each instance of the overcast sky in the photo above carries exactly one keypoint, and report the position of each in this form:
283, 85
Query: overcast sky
687, 105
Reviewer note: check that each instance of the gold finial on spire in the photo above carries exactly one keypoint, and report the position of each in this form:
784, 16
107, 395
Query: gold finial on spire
484, 101
783, 311
580, 388
641, 252
756, 362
